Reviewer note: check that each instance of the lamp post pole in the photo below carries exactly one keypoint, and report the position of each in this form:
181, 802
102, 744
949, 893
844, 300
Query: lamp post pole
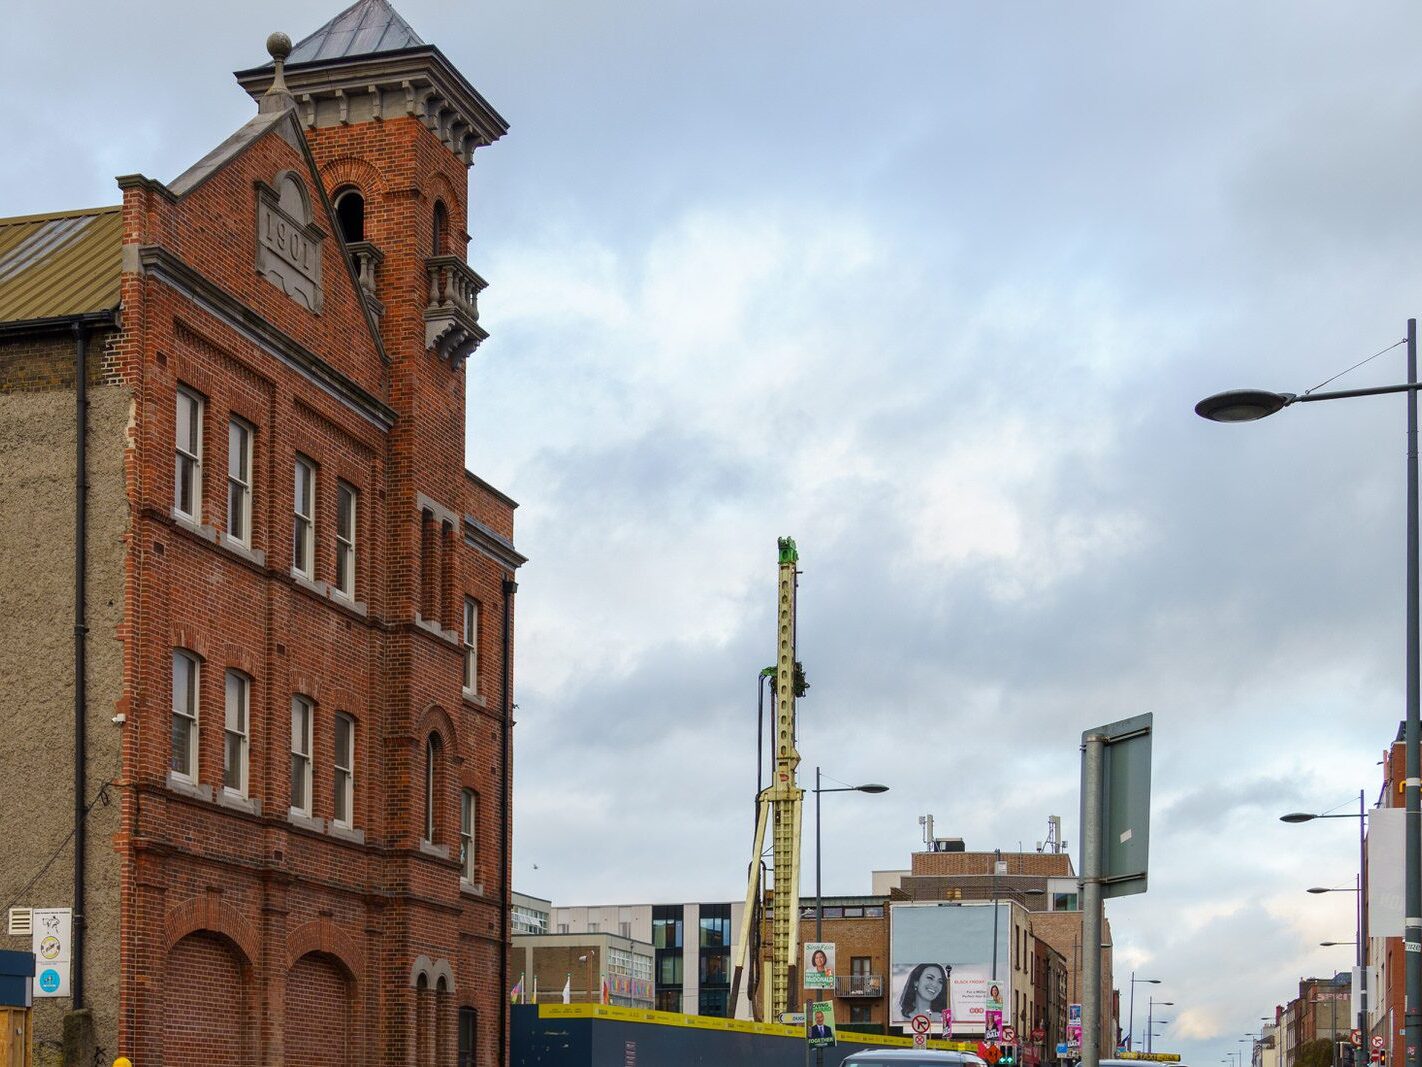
1248, 405
1131, 1033
871, 787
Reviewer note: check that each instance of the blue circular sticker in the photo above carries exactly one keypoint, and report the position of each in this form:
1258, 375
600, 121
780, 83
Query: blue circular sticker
49, 979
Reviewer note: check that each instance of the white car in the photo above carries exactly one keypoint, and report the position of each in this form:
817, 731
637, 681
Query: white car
913, 1057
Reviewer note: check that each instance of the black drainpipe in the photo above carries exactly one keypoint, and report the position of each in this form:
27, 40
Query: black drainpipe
510, 588
81, 630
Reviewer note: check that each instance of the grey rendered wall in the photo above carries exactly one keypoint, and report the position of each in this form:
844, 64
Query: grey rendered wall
36, 671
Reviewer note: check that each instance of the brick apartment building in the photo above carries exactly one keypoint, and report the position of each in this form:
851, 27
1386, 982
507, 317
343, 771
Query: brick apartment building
257, 616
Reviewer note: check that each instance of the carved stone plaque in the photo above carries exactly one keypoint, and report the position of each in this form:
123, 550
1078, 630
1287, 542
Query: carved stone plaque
288, 243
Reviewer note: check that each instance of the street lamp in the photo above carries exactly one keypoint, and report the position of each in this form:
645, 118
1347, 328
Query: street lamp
871, 787
1150, 1018
1331, 944
1245, 406
1131, 1034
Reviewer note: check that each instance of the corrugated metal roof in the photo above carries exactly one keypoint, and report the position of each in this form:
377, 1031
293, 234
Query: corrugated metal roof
65, 263
364, 28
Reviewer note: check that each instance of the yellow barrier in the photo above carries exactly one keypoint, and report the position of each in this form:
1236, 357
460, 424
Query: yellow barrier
742, 1026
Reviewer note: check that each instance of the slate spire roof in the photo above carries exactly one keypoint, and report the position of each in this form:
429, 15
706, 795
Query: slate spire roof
365, 28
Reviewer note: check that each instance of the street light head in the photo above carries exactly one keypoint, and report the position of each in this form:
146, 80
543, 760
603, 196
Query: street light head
1242, 405
1317, 889
872, 787
1297, 816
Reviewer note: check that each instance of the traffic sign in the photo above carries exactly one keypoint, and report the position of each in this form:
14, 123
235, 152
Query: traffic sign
1355, 1037
1009, 1035
989, 1053
920, 1023
1377, 1042
920, 1040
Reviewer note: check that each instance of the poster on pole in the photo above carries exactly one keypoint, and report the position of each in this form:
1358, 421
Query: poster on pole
819, 1031
819, 965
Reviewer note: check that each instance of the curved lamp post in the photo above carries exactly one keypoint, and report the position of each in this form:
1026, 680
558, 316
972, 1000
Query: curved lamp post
1361, 955
1131, 1035
1247, 405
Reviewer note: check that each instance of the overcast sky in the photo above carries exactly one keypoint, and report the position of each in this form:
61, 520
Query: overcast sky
932, 286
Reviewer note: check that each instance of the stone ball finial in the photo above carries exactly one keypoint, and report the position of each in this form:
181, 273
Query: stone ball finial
279, 46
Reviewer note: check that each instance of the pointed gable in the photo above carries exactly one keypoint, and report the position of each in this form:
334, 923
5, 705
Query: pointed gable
365, 28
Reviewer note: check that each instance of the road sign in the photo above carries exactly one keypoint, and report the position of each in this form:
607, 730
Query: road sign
989, 1052
1009, 1035
920, 1023
792, 1018
1125, 809
920, 1040
1377, 1042
1355, 1037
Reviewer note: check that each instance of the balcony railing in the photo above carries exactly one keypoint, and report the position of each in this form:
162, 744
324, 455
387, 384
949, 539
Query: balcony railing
452, 317
367, 260
859, 985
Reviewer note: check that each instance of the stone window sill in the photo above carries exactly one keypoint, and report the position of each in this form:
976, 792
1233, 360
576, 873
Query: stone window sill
475, 697
346, 833
192, 525
432, 627
326, 591
299, 818
180, 783
237, 548
231, 799
471, 889
441, 851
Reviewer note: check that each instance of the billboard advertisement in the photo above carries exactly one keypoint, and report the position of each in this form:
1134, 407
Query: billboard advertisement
940, 961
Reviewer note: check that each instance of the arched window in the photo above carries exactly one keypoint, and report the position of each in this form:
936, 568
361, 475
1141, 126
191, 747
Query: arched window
441, 229
350, 214
433, 751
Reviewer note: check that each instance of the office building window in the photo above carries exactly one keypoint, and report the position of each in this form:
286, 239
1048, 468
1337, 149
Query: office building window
471, 645
234, 750
346, 499
184, 760
468, 811
344, 763
187, 476
303, 554
301, 720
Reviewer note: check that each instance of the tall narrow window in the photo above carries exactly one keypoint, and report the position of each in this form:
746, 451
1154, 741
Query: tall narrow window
468, 1036
234, 749
432, 753
468, 813
350, 215
345, 770
471, 645
185, 715
346, 498
187, 475
440, 245
239, 481
302, 714
303, 524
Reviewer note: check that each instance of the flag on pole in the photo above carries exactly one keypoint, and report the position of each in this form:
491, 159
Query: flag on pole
605, 998
516, 993
568, 989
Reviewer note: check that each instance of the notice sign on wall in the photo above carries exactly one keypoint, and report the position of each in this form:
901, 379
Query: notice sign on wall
50, 942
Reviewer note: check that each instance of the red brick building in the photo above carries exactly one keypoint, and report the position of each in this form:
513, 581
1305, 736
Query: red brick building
239, 400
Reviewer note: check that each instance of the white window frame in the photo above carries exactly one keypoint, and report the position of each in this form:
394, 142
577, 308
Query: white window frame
303, 523
186, 707
344, 765
303, 727
468, 816
187, 458
239, 482
347, 510
471, 645
236, 729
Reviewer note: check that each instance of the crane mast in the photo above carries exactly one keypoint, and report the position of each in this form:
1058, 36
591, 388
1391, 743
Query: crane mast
778, 809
